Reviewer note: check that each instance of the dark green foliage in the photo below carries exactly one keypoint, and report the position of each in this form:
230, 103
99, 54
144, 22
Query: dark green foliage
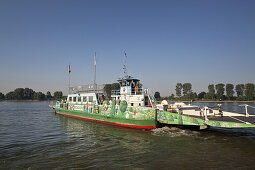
171, 97
10, 95
28, 93
115, 86
58, 95
240, 90
201, 95
48, 95
39, 96
157, 95
1, 96
178, 89
211, 92
19, 93
187, 90
109, 87
220, 91
249, 91
229, 91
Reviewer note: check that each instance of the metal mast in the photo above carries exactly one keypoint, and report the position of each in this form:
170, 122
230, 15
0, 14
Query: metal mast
95, 88
125, 66
69, 71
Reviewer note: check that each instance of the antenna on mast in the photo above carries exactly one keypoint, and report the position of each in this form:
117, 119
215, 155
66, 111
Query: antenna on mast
125, 66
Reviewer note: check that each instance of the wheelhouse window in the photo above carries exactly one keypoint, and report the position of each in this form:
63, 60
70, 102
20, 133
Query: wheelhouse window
79, 99
90, 98
74, 99
84, 99
70, 99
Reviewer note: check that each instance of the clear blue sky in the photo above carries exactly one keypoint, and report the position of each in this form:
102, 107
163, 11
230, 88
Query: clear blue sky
167, 42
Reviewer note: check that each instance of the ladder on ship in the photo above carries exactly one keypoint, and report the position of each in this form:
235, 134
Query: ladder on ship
151, 99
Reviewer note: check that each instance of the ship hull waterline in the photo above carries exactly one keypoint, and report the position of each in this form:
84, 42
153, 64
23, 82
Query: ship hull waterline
137, 124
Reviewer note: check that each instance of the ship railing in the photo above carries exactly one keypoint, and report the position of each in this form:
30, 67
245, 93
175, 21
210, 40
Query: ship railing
139, 91
246, 109
90, 88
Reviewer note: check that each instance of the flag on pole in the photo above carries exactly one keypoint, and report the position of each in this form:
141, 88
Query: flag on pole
95, 62
69, 69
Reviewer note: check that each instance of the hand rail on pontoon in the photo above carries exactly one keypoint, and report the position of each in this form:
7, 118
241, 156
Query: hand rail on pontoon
246, 109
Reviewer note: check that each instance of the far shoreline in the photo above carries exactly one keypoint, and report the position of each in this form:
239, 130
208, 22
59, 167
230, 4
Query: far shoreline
28, 100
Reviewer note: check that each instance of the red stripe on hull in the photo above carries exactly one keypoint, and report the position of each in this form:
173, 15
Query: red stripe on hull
116, 124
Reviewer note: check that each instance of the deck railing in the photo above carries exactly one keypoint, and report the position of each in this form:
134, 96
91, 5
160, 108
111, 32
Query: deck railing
90, 88
139, 91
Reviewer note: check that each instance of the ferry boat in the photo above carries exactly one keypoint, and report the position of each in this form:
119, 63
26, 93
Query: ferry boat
130, 106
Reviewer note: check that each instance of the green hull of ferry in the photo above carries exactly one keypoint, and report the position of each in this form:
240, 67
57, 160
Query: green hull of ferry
142, 118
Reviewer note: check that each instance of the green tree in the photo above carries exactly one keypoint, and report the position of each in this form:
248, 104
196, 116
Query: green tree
193, 96
211, 92
10, 96
178, 89
48, 95
28, 93
220, 91
240, 91
201, 95
109, 87
115, 86
1, 96
171, 97
19, 94
187, 90
157, 95
249, 91
39, 96
58, 95
107, 90
230, 91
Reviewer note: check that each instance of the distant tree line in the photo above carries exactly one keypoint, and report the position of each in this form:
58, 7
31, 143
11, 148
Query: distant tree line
240, 92
29, 94
109, 87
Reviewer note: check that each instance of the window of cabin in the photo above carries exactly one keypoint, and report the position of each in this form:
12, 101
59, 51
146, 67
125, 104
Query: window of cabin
84, 99
79, 99
90, 98
74, 99
70, 99
132, 104
139, 104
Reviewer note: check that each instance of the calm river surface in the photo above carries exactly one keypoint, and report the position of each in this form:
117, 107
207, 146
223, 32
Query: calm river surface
33, 137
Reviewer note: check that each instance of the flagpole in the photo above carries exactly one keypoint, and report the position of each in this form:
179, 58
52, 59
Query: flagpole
69, 84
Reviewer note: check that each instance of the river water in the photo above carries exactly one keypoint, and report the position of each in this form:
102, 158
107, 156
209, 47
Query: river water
32, 136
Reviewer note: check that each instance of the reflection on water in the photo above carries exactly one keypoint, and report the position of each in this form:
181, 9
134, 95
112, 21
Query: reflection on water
33, 136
